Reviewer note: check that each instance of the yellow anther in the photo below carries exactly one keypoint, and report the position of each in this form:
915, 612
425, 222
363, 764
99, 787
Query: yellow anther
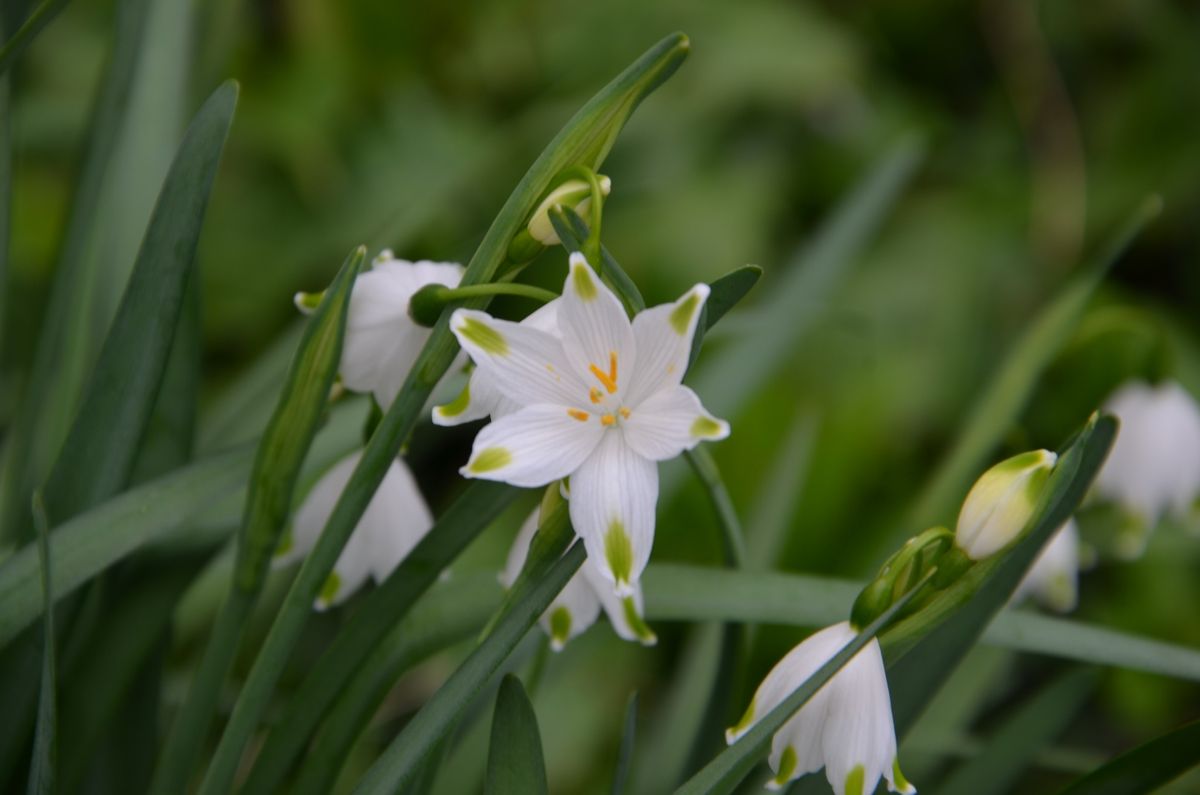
595, 395
624, 412
609, 379
607, 420
577, 414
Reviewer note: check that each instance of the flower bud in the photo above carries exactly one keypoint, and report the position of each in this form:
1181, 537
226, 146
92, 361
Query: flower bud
1002, 502
427, 303
900, 574
573, 193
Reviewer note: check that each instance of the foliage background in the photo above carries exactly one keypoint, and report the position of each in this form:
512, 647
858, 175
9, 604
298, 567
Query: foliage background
405, 125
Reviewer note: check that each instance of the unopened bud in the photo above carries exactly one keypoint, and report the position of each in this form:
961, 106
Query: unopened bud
1001, 503
575, 194
426, 304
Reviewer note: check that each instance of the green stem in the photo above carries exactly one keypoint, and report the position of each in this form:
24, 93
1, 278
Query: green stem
591, 246
449, 294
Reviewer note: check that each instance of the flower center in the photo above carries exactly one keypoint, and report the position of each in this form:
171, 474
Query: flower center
598, 397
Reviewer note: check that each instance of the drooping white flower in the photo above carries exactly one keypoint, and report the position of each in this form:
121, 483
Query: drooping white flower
600, 405
395, 520
382, 342
578, 605
1053, 578
846, 727
1154, 466
1001, 503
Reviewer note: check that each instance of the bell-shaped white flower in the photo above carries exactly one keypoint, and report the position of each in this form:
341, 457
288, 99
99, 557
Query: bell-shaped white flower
846, 727
1154, 466
382, 342
578, 605
395, 520
573, 193
1053, 578
600, 405
1001, 503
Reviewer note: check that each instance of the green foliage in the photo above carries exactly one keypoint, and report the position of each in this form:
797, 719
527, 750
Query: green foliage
515, 762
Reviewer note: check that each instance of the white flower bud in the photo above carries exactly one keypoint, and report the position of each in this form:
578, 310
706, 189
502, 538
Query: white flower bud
574, 193
1001, 503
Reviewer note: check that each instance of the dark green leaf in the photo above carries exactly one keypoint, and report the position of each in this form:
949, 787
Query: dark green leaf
98, 455
43, 769
1145, 768
515, 765
625, 754
42, 16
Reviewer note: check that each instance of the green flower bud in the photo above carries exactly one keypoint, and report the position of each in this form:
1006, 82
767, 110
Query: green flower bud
573, 193
1001, 503
426, 305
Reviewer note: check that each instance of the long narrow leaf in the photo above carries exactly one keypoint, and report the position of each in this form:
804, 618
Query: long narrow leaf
625, 753
585, 140
1145, 768
515, 765
42, 16
45, 742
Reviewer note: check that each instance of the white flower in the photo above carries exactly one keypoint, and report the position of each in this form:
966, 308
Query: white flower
1001, 503
578, 605
846, 727
396, 519
574, 193
1154, 466
382, 341
600, 405
1053, 578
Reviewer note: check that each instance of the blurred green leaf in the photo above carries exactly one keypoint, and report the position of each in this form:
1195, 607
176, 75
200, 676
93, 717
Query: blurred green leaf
281, 453
1035, 725
89, 543
628, 738
1145, 768
99, 453
43, 769
403, 756
515, 765
585, 140
1005, 395
42, 16
64, 346
726, 771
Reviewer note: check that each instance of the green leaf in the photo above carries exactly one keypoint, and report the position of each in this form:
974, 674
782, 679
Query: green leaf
91, 542
515, 765
727, 291
377, 615
1145, 768
45, 742
924, 648
585, 140
453, 611
625, 754
404, 755
1035, 725
42, 16
98, 455
1004, 397
277, 464
64, 346
727, 770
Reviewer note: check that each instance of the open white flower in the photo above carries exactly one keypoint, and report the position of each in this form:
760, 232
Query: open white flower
1053, 578
1001, 503
600, 405
396, 519
1154, 466
382, 342
845, 728
578, 605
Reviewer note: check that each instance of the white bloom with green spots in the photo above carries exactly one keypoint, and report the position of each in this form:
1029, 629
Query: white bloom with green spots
1052, 580
845, 728
1002, 502
396, 519
382, 342
601, 404
578, 605
1154, 467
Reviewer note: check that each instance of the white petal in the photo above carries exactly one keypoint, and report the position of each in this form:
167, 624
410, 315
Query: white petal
396, 519
596, 333
526, 365
534, 446
625, 613
381, 341
663, 335
613, 498
859, 728
1053, 578
669, 422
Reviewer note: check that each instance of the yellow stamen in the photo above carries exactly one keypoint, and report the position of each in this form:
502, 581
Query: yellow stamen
577, 414
609, 379
607, 420
596, 395
624, 412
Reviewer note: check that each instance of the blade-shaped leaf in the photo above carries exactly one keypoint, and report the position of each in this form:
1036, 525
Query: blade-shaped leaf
45, 739
100, 450
42, 16
1145, 768
727, 770
277, 464
585, 140
515, 765
625, 754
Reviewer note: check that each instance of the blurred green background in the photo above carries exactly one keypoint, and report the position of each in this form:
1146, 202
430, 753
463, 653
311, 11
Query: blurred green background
405, 125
